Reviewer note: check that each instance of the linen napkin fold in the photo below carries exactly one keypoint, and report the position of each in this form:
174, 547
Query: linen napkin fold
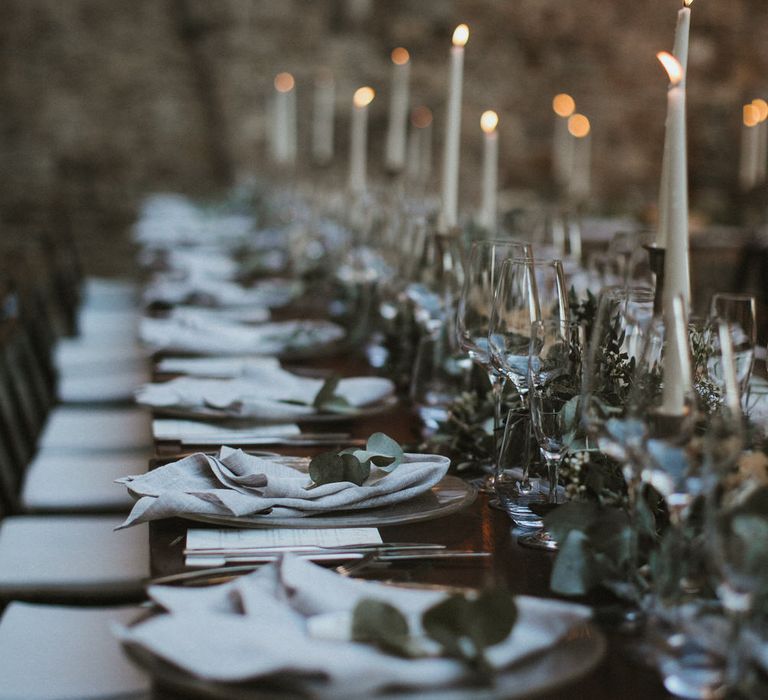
214, 337
261, 625
221, 367
209, 291
238, 484
191, 430
267, 394
205, 314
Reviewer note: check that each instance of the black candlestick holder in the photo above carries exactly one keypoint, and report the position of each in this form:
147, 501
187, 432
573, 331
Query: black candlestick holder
656, 263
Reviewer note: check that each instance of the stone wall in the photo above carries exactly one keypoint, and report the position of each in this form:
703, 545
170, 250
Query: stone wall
104, 100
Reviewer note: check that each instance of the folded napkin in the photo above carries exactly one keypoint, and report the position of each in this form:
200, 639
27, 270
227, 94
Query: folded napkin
203, 261
237, 484
209, 291
190, 430
267, 394
205, 314
262, 625
222, 367
230, 338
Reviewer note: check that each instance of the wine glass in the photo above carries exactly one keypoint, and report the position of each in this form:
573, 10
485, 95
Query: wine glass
527, 291
554, 386
739, 311
474, 310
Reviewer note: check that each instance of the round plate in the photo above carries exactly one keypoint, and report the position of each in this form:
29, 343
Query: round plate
447, 496
214, 414
541, 673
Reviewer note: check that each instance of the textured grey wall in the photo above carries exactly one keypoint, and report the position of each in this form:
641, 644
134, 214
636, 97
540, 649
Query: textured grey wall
102, 100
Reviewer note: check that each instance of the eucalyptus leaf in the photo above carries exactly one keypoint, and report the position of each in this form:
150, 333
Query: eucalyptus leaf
574, 570
355, 470
326, 468
380, 623
381, 451
328, 401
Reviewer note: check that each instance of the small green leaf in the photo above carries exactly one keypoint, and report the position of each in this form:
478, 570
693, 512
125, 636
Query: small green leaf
328, 401
377, 622
326, 468
355, 470
573, 572
495, 614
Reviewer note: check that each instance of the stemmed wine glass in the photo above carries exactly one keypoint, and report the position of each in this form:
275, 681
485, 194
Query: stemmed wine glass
739, 311
554, 386
527, 291
474, 310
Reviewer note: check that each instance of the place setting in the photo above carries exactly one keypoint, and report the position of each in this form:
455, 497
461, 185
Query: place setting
437, 365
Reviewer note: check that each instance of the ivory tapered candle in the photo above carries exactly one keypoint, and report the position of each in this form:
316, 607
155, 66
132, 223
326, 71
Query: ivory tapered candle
676, 270
762, 140
563, 106
322, 118
398, 110
419, 167
450, 194
750, 144
680, 52
284, 120
359, 138
580, 180
488, 210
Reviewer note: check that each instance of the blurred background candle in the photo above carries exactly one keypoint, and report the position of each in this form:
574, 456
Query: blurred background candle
419, 168
398, 110
284, 120
450, 204
359, 138
749, 147
762, 140
676, 270
322, 118
580, 179
562, 143
488, 210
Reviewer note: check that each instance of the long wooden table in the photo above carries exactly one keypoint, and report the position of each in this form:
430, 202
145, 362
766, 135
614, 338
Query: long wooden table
479, 527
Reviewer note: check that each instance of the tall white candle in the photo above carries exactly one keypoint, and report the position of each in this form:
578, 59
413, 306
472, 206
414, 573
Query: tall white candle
563, 106
676, 271
284, 120
580, 179
680, 51
488, 210
419, 166
762, 141
359, 138
750, 144
322, 118
398, 110
450, 204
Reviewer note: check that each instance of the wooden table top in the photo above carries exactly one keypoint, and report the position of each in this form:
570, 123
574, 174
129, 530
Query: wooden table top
478, 527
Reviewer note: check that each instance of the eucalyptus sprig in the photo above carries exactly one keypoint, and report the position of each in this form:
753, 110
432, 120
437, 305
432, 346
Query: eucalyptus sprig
462, 626
354, 465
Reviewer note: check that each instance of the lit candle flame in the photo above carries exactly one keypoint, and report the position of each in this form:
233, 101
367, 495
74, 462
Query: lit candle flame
751, 115
363, 96
564, 105
687, 3
762, 108
488, 121
578, 126
400, 56
421, 117
284, 82
460, 35
672, 66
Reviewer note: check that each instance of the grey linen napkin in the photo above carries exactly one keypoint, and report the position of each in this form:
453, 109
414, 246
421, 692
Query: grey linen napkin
223, 337
238, 484
263, 624
269, 394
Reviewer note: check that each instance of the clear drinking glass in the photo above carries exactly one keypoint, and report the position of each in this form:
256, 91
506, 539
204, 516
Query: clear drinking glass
440, 374
554, 386
740, 312
527, 291
474, 309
